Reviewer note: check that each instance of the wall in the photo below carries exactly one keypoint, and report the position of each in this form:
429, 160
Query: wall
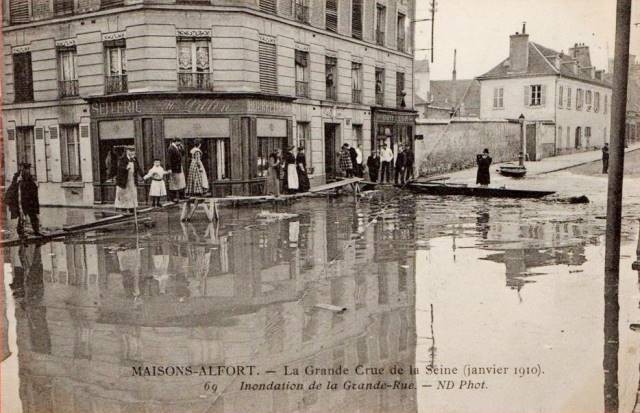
449, 146
514, 98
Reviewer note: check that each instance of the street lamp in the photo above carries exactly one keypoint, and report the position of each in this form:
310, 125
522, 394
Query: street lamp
521, 155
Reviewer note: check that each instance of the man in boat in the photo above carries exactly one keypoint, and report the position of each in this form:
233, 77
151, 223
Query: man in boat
605, 158
22, 199
483, 178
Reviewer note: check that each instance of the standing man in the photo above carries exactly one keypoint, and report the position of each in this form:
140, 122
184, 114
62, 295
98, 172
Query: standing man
605, 158
353, 155
359, 167
409, 160
373, 163
387, 158
22, 199
400, 165
177, 182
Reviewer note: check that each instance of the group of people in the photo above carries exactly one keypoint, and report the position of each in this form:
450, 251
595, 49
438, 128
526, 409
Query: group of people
379, 163
287, 169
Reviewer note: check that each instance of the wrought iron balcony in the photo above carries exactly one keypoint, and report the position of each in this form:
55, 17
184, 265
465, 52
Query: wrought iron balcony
356, 95
194, 81
115, 84
302, 89
302, 13
68, 88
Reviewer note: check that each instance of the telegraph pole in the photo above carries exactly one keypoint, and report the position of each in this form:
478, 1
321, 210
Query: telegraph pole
433, 4
433, 24
614, 205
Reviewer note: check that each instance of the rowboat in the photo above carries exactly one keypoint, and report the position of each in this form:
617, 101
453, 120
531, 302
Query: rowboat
434, 188
514, 171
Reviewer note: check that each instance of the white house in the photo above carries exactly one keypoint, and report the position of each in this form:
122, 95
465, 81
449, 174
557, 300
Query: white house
564, 100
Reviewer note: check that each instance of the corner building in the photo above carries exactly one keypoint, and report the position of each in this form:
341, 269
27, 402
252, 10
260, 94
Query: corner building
83, 78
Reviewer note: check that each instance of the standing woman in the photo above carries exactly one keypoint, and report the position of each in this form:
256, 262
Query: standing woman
177, 182
272, 184
197, 183
291, 173
301, 166
127, 171
483, 178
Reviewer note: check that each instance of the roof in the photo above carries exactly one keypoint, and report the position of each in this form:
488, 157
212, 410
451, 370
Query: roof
467, 91
541, 63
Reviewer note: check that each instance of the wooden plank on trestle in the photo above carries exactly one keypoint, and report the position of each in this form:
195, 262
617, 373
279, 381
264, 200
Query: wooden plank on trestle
335, 185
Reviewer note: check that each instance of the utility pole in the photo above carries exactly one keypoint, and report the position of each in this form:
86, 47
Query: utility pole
433, 24
432, 10
614, 205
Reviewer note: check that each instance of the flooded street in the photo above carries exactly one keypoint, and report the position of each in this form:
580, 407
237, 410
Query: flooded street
497, 305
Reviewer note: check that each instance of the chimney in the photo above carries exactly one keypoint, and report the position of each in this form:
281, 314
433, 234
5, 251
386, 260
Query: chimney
454, 94
519, 52
580, 52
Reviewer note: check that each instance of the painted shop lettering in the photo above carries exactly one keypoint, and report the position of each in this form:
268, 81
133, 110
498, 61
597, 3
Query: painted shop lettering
116, 108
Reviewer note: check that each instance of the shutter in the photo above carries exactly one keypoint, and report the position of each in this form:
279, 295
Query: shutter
543, 95
356, 19
63, 6
85, 154
54, 144
527, 95
269, 6
19, 11
23, 77
287, 8
105, 4
40, 154
268, 64
332, 15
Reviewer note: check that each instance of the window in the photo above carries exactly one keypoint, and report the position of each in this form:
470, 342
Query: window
116, 66
61, 7
331, 15
498, 98
221, 168
606, 104
70, 152
107, 4
381, 13
269, 6
26, 149
559, 137
589, 100
401, 32
379, 86
301, 11
579, 99
357, 135
19, 11
302, 73
67, 75
596, 102
22, 77
560, 96
304, 140
194, 63
587, 136
568, 136
568, 98
356, 82
356, 19
331, 74
268, 67
400, 93
267, 146
535, 95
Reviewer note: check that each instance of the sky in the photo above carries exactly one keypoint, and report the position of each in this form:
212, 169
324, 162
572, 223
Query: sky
480, 29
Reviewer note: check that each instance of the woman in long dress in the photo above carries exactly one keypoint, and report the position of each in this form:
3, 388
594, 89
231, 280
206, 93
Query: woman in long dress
301, 167
483, 178
127, 171
197, 183
272, 185
291, 172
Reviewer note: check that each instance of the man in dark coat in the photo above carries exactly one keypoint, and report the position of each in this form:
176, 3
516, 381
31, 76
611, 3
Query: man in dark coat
605, 158
22, 199
177, 182
373, 163
483, 177
399, 166
409, 160
353, 155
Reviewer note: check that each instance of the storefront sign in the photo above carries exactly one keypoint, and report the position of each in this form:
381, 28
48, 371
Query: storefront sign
125, 107
268, 106
394, 118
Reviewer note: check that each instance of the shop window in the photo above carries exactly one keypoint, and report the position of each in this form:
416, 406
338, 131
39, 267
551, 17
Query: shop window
302, 73
216, 156
331, 15
194, 63
381, 16
400, 40
400, 92
331, 77
22, 77
67, 73
116, 66
379, 86
267, 146
19, 11
268, 66
70, 153
301, 11
304, 140
356, 82
26, 149
356, 19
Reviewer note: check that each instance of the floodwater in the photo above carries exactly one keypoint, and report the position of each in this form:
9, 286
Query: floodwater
485, 305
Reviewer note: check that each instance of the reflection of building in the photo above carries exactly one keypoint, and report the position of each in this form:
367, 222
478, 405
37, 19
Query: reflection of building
241, 298
83, 78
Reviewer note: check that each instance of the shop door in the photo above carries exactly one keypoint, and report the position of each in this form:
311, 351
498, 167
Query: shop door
531, 142
330, 151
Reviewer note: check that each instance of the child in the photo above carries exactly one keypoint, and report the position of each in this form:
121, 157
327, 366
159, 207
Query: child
158, 188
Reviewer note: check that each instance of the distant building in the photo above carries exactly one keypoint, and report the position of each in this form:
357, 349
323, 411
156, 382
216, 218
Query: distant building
633, 97
565, 100
421, 74
453, 98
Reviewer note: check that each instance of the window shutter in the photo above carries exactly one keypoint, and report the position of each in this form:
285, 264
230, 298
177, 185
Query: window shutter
19, 11
40, 154
268, 67
63, 6
105, 4
527, 95
84, 131
332, 15
269, 6
54, 146
53, 132
356, 18
85, 153
11, 134
543, 95
287, 8
22, 77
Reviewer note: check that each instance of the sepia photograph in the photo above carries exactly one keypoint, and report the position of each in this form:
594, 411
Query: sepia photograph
318, 206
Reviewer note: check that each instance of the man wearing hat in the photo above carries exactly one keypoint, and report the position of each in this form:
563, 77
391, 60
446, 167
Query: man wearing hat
127, 171
177, 183
22, 199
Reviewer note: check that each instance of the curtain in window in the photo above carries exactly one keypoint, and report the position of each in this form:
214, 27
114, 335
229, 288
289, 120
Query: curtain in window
355, 76
114, 62
68, 64
184, 56
202, 57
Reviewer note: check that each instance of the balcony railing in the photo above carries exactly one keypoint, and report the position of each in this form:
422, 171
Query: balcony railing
380, 99
356, 95
68, 88
302, 13
331, 93
194, 81
400, 100
302, 89
380, 37
115, 84
401, 45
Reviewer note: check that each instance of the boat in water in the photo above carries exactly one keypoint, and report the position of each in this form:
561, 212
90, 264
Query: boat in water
436, 188
514, 171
